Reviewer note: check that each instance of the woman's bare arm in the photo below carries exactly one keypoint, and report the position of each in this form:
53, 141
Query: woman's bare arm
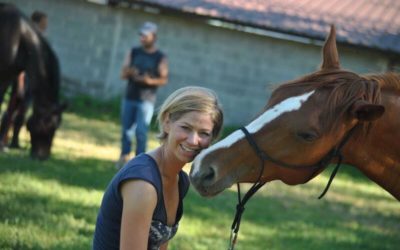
140, 200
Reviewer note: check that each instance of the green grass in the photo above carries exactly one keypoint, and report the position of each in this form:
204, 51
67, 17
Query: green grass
53, 204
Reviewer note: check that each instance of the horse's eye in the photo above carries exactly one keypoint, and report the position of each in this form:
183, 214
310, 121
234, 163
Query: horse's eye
308, 136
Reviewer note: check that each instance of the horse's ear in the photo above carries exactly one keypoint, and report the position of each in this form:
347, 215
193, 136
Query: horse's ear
330, 53
365, 111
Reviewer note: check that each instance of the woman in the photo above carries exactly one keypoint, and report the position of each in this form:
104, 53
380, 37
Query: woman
142, 205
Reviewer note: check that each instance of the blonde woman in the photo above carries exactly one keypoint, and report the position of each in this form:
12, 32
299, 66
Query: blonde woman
142, 205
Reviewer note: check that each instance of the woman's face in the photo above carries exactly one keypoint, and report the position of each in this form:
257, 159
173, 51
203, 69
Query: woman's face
188, 135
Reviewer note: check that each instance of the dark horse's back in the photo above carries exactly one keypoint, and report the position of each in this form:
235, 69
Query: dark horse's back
18, 36
24, 48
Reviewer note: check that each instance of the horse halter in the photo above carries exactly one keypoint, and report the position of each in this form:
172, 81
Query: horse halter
335, 152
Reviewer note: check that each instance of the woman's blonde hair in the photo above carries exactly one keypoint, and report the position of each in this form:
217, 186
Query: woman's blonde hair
188, 99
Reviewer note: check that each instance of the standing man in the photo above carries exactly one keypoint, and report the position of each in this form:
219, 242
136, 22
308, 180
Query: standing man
40, 20
145, 68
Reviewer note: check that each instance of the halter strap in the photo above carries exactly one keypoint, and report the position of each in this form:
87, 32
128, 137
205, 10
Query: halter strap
253, 189
262, 156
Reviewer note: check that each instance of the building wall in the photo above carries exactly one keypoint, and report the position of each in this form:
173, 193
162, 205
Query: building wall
91, 41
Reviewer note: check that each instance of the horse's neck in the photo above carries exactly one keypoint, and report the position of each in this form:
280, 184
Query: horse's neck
41, 64
45, 74
377, 155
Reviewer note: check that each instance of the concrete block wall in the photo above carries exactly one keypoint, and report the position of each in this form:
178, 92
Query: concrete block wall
91, 41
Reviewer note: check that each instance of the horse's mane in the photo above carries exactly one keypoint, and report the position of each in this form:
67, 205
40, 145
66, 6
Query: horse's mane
387, 81
53, 69
49, 89
344, 87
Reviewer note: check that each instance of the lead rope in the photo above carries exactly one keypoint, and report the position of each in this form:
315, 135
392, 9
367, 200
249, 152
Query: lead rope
239, 212
242, 202
338, 154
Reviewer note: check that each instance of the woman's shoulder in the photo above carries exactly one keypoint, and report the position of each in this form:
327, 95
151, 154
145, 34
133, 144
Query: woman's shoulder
140, 163
141, 167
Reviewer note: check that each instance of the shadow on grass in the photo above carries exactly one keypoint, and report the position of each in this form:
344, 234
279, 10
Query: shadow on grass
90, 173
58, 222
54, 223
41, 210
286, 221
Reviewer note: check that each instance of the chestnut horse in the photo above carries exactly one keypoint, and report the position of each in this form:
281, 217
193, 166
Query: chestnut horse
23, 48
327, 116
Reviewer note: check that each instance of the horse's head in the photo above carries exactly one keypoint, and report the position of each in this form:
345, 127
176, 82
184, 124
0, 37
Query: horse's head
302, 123
42, 126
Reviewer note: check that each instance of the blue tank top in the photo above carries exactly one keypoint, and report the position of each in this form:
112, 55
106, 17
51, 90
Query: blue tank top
108, 225
145, 63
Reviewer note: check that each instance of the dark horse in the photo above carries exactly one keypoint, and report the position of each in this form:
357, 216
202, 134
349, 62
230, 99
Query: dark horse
23, 48
327, 116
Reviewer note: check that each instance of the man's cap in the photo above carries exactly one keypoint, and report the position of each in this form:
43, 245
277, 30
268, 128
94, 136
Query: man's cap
148, 28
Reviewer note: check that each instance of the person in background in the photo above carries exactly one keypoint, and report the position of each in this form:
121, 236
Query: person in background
40, 20
145, 68
143, 203
20, 97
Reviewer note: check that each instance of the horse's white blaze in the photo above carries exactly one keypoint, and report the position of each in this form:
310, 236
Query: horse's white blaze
288, 105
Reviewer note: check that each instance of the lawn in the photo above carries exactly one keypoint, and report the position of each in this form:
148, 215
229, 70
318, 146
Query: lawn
53, 204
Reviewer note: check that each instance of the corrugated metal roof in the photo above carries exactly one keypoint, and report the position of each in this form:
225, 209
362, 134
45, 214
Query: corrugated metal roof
368, 23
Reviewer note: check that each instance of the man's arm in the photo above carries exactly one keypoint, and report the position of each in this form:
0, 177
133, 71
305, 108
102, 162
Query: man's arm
127, 71
157, 81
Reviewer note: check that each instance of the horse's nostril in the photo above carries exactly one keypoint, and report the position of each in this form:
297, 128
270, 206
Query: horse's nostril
208, 175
